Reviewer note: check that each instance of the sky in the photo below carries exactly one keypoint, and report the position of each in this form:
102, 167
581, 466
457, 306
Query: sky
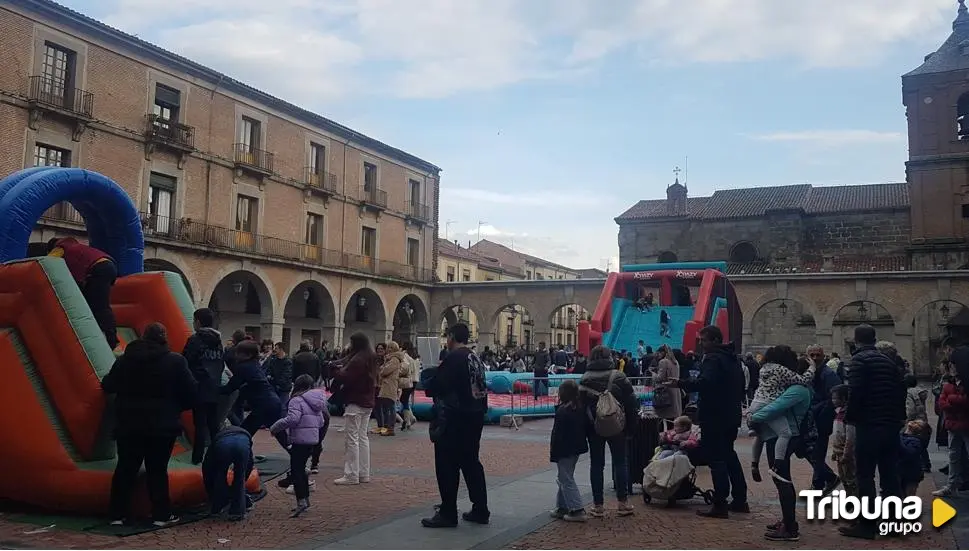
550, 118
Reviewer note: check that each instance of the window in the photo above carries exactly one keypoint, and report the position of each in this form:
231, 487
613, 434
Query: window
465, 275
58, 75
167, 102
161, 192
247, 211
743, 252
368, 242
666, 257
249, 134
962, 116
46, 155
317, 162
415, 192
314, 229
369, 177
413, 252
528, 274
450, 273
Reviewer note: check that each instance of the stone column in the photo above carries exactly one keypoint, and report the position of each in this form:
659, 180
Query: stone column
542, 334
486, 339
825, 337
273, 330
903, 343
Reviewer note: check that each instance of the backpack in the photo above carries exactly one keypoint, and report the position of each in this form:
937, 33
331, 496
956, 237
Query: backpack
610, 419
808, 437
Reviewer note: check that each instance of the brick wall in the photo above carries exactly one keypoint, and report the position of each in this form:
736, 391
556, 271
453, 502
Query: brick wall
779, 237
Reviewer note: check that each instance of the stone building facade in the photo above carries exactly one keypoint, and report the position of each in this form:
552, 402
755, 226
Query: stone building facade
833, 243
290, 225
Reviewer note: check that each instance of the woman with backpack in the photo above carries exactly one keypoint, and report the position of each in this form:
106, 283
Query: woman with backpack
611, 406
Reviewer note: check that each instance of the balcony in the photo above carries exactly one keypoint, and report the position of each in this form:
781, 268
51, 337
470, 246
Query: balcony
568, 325
319, 182
417, 212
47, 95
373, 199
190, 232
252, 160
175, 136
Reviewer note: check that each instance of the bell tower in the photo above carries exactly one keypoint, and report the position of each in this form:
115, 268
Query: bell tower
936, 99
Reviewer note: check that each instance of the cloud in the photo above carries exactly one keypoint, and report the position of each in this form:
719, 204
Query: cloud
830, 138
312, 51
487, 230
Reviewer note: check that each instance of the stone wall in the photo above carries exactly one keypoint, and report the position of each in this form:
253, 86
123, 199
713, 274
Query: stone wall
780, 237
771, 325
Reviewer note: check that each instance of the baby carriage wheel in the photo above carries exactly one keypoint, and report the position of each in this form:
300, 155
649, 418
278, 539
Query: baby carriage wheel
707, 497
647, 499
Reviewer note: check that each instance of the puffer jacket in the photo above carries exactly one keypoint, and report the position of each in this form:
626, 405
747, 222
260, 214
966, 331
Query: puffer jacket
406, 377
793, 404
877, 395
720, 386
304, 418
955, 407
915, 404
390, 375
596, 378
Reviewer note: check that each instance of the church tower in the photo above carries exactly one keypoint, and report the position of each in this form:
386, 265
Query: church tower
936, 99
676, 199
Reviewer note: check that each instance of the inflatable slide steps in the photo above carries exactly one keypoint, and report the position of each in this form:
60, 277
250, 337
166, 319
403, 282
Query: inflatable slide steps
58, 452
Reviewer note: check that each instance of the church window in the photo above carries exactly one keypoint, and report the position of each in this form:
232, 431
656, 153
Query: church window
743, 252
666, 257
962, 116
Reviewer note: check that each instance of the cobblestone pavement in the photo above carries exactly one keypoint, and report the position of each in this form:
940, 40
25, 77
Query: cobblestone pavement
655, 526
403, 479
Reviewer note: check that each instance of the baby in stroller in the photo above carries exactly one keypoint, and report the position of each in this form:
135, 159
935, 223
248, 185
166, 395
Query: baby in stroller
679, 440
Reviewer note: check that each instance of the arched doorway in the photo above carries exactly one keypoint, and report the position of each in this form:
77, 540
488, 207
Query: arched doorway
364, 313
564, 322
159, 265
666, 257
459, 313
241, 300
410, 319
934, 324
514, 328
782, 321
856, 313
309, 315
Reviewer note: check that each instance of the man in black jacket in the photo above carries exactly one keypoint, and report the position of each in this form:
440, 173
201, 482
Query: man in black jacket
876, 409
306, 362
720, 386
461, 401
204, 354
280, 373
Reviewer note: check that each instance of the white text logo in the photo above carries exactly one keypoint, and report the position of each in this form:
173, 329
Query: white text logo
893, 515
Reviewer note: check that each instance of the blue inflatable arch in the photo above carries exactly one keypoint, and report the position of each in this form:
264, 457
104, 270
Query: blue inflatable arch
113, 222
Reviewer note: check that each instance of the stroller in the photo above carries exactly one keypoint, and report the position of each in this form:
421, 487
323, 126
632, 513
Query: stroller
674, 479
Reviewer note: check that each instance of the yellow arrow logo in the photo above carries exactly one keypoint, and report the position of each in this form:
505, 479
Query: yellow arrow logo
942, 512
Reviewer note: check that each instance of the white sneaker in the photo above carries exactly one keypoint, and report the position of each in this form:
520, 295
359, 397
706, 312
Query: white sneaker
344, 481
291, 489
946, 491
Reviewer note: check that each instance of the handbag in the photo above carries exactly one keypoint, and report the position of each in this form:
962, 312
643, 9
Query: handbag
662, 397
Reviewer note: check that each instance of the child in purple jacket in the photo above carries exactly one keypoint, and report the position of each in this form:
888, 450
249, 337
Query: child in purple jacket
303, 421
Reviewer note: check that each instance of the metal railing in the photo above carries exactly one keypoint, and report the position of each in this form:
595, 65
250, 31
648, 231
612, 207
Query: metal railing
418, 211
63, 212
536, 397
319, 179
249, 156
170, 132
189, 231
55, 93
374, 196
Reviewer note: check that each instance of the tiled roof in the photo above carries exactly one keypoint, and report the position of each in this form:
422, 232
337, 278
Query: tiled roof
453, 250
509, 256
82, 23
855, 264
949, 56
753, 202
592, 273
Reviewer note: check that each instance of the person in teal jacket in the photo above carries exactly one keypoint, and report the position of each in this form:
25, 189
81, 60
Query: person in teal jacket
793, 404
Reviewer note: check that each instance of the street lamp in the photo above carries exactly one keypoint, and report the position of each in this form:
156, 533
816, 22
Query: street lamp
361, 301
862, 312
944, 310
408, 309
461, 314
237, 288
306, 294
783, 309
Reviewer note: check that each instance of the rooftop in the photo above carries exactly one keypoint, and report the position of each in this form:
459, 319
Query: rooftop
848, 264
453, 250
758, 201
122, 40
951, 56
509, 256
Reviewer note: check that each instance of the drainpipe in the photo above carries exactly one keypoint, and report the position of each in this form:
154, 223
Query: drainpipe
208, 164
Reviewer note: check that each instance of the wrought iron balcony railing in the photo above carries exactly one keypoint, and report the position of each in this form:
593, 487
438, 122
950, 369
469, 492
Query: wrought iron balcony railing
169, 132
55, 93
249, 157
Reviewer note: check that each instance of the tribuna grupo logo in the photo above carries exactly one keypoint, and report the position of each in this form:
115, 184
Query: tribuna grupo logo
894, 515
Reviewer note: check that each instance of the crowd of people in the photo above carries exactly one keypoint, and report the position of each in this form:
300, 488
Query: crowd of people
868, 411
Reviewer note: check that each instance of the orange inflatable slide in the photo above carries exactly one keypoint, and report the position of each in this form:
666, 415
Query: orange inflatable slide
56, 428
